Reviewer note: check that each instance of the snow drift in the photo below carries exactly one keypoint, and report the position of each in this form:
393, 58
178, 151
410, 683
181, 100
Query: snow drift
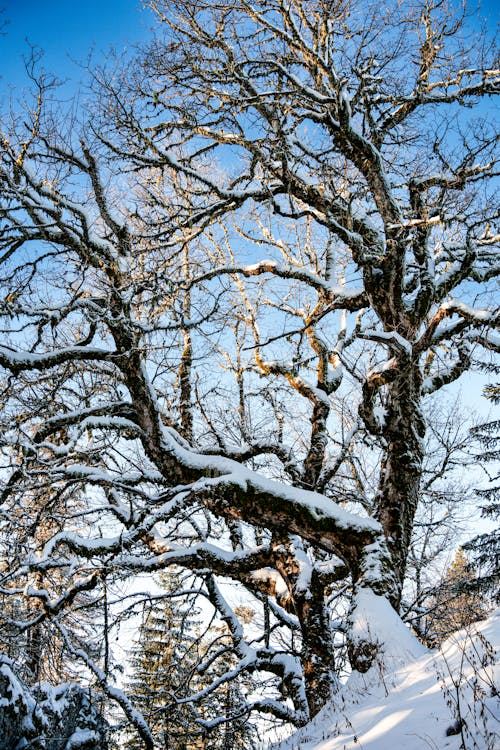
448, 698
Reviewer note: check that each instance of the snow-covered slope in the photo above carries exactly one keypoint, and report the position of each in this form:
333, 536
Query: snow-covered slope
419, 704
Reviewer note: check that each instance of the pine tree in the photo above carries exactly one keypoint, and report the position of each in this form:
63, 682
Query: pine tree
229, 700
455, 604
163, 661
485, 548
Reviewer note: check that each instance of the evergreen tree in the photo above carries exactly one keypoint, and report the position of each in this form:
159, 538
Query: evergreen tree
456, 604
163, 661
229, 699
485, 548
166, 668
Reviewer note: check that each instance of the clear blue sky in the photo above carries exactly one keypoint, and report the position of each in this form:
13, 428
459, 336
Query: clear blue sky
66, 31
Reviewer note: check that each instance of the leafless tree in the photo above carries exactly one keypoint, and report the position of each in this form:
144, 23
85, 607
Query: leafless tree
227, 295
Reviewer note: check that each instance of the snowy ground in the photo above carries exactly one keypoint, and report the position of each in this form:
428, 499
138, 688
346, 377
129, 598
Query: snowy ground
413, 705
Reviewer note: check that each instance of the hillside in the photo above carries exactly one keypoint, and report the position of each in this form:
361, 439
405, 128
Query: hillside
418, 704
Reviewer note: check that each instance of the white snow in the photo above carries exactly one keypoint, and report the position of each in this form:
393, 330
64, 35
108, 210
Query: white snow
392, 338
412, 705
373, 619
231, 472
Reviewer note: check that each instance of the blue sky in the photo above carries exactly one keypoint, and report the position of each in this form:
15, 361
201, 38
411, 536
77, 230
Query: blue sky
65, 31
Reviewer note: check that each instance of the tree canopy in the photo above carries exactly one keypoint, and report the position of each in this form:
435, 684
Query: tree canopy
229, 285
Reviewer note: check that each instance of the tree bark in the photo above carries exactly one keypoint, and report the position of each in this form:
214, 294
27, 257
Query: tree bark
307, 600
318, 655
401, 468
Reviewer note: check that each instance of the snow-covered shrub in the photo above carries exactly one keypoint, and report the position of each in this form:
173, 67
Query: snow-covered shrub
47, 717
471, 690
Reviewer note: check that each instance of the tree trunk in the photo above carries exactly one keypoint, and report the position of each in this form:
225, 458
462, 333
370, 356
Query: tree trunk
401, 468
318, 656
307, 600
